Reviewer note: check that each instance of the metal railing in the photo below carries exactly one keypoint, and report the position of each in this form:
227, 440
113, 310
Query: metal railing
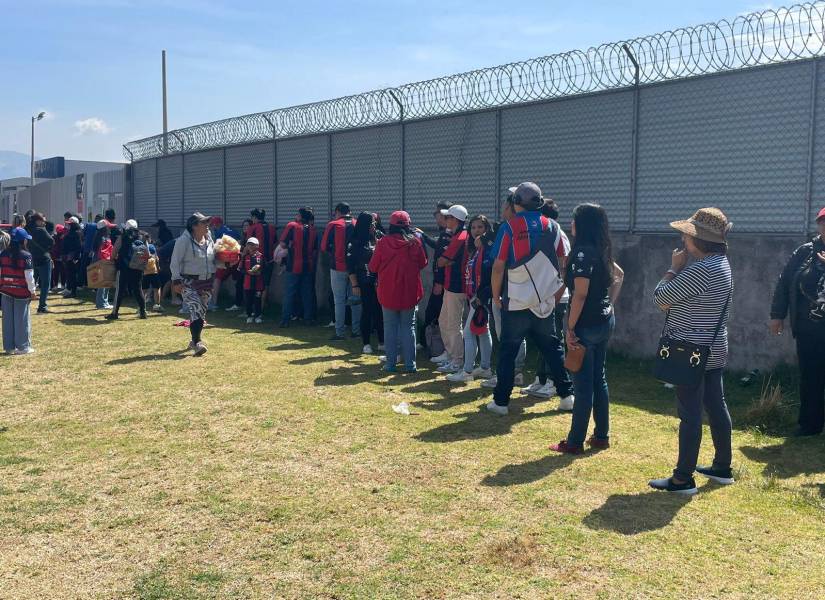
760, 38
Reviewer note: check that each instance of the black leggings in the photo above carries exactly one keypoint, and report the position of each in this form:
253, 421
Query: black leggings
253, 303
372, 317
131, 282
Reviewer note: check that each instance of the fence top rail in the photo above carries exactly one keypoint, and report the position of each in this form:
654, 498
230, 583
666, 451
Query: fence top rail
759, 38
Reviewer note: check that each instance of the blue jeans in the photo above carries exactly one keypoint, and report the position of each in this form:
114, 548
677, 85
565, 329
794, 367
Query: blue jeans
485, 344
298, 283
44, 274
590, 384
400, 325
342, 292
17, 324
102, 297
516, 325
522, 351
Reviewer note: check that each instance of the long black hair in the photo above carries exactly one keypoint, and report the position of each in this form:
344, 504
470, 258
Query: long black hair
403, 230
592, 229
364, 232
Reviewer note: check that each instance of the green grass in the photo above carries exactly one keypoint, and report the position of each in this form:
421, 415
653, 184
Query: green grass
275, 467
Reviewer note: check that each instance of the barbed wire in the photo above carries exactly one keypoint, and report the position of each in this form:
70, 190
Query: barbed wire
760, 38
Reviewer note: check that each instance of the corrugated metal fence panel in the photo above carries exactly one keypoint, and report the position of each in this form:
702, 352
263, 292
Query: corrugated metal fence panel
143, 181
577, 150
451, 159
249, 183
203, 183
303, 177
109, 182
366, 170
738, 141
819, 150
170, 191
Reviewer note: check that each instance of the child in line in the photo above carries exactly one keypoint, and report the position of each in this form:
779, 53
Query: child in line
251, 266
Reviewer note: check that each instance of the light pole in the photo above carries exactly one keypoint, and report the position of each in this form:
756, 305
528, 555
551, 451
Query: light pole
39, 116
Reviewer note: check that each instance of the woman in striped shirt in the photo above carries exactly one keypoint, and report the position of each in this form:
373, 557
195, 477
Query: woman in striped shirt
697, 299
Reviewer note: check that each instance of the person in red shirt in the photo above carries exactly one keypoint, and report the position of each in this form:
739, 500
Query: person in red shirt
334, 244
451, 318
251, 265
267, 236
102, 246
300, 239
398, 259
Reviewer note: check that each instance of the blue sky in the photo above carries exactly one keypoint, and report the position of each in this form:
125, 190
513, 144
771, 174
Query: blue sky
94, 65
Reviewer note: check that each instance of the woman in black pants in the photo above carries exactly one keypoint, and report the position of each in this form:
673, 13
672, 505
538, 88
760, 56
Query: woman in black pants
801, 293
359, 252
130, 281
71, 252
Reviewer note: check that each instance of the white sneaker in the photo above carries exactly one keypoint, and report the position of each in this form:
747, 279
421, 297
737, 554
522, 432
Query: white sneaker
518, 379
259, 320
157, 308
461, 376
330, 324
419, 347
532, 387
383, 359
567, 402
242, 315
449, 367
490, 383
543, 391
249, 320
441, 358
28, 350
479, 373
233, 308
66, 293
367, 349
499, 410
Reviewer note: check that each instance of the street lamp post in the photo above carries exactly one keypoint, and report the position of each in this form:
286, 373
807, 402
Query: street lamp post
39, 116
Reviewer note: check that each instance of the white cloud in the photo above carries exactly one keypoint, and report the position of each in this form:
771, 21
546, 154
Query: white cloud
91, 125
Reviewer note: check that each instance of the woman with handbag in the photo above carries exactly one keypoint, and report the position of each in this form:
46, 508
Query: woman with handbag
694, 346
593, 280
130, 268
800, 293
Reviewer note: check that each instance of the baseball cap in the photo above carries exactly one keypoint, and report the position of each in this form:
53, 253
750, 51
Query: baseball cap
821, 215
457, 211
528, 195
130, 224
253, 240
74, 220
216, 221
18, 234
400, 217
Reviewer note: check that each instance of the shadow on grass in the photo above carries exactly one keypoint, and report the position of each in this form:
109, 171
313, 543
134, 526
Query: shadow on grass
529, 472
176, 355
630, 514
791, 457
357, 372
479, 424
84, 321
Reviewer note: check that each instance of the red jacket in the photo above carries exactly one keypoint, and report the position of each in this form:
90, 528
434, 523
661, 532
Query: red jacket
105, 250
398, 263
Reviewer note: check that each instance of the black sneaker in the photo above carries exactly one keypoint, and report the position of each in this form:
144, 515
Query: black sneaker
111, 317
43, 311
722, 476
688, 488
336, 338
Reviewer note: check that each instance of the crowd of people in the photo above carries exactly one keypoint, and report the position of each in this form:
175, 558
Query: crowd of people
521, 278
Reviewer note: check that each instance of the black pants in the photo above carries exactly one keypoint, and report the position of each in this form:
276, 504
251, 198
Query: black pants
239, 297
810, 349
550, 364
253, 302
709, 393
130, 282
71, 267
430, 314
372, 317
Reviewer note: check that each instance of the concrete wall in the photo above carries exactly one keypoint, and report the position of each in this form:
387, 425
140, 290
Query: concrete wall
756, 262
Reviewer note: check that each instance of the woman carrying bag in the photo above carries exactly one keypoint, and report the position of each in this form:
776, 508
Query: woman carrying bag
697, 300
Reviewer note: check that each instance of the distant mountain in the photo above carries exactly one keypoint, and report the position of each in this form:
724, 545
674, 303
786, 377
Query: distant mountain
14, 164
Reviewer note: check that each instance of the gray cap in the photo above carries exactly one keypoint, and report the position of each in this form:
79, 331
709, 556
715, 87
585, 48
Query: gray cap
528, 195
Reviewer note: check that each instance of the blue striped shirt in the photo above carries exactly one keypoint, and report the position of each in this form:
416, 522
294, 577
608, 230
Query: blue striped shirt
696, 297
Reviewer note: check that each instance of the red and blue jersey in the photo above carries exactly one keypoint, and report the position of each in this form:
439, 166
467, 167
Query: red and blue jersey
267, 238
253, 281
13, 274
302, 241
518, 238
456, 254
334, 241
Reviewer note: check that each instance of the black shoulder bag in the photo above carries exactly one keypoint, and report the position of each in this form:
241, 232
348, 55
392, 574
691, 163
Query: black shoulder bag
683, 363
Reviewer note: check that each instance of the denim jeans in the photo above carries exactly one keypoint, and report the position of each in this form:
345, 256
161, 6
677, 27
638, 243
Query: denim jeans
102, 297
553, 364
399, 325
17, 323
303, 284
522, 351
516, 325
44, 274
709, 393
342, 292
590, 384
485, 345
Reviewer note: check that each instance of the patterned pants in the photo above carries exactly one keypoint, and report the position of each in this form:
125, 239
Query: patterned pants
197, 293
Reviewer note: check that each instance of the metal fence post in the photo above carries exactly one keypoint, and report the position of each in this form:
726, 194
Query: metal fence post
400, 104
634, 149
497, 202
809, 190
274, 167
223, 178
329, 170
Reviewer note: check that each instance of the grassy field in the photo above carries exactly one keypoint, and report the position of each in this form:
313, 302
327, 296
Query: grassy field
275, 467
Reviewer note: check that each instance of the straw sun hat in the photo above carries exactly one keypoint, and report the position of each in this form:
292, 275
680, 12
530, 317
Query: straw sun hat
708, 224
